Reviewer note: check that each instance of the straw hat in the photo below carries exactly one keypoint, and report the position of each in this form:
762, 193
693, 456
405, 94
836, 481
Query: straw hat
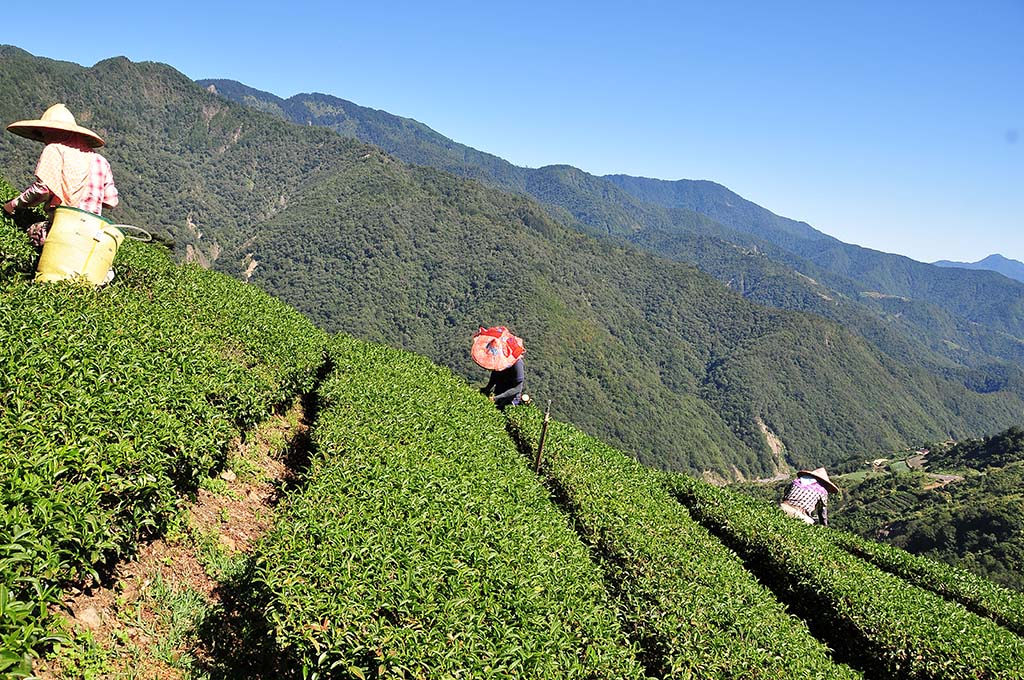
822, 476
57, 117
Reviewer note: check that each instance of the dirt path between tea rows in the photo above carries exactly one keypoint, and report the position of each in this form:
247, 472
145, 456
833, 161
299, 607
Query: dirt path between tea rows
145, 623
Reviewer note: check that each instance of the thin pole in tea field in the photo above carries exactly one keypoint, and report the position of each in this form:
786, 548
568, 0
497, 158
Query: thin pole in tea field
543, 436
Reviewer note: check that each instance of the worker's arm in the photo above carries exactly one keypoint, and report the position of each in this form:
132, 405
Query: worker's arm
509, 393
110, 195
34, 195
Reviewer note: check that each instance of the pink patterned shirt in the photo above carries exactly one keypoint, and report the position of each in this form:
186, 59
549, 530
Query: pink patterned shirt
70, 173
807, 494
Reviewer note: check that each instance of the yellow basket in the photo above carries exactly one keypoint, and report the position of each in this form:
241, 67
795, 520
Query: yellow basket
79, 245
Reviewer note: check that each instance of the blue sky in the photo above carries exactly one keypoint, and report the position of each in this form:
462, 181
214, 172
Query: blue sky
896, 126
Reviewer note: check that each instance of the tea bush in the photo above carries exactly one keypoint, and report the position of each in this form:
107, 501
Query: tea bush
17, 257
891, 627
116, 402
424, 547
981, 596
688, 598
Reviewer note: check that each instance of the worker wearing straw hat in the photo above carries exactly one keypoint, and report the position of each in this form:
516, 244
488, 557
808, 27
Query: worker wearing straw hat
496, 349
69, 171
807, 496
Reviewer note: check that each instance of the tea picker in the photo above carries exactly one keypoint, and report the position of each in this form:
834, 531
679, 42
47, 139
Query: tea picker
74, 183
497, 350
806, 498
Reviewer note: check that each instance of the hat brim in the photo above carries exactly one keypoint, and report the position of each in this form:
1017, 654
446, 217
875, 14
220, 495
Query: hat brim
827, 483
33, 129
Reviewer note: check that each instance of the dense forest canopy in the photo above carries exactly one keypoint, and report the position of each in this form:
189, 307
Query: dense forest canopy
960, 325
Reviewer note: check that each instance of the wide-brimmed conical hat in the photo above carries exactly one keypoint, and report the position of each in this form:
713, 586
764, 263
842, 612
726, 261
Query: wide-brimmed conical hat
57, 117
495, 348
822, 476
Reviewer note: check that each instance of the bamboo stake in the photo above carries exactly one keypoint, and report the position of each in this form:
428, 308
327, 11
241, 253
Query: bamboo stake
543, 436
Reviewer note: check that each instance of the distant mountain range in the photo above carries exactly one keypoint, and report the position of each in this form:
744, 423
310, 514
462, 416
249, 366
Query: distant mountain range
861, 352
996, 263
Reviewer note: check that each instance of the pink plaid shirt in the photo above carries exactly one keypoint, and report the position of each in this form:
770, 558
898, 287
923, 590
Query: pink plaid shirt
70, 173
100, 189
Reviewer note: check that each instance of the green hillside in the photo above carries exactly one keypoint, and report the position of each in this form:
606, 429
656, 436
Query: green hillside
116, 404
620, 338
407, 139
418, 542
893, 302
975, 521
961, 504
652, 355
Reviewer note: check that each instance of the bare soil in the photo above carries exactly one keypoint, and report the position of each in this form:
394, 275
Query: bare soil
941, 480
129, 618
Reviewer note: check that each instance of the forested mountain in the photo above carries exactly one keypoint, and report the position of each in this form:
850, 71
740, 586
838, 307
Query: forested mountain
588, 202
651, 354
720, 204
970, 329
1013, 269
979, 297
614, 329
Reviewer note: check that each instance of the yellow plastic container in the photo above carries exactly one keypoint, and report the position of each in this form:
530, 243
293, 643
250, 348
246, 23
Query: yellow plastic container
78, 245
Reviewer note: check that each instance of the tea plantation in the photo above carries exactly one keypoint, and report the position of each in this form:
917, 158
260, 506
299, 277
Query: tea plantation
420, 543
114, 404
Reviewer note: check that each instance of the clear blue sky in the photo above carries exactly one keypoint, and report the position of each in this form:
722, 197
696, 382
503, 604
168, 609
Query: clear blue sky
893, 125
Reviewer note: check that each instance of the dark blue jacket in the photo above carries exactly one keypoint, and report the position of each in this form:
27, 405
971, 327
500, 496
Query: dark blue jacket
507, 385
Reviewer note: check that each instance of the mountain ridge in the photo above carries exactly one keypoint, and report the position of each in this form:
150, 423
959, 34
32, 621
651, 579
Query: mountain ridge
868, 269
1008, 267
